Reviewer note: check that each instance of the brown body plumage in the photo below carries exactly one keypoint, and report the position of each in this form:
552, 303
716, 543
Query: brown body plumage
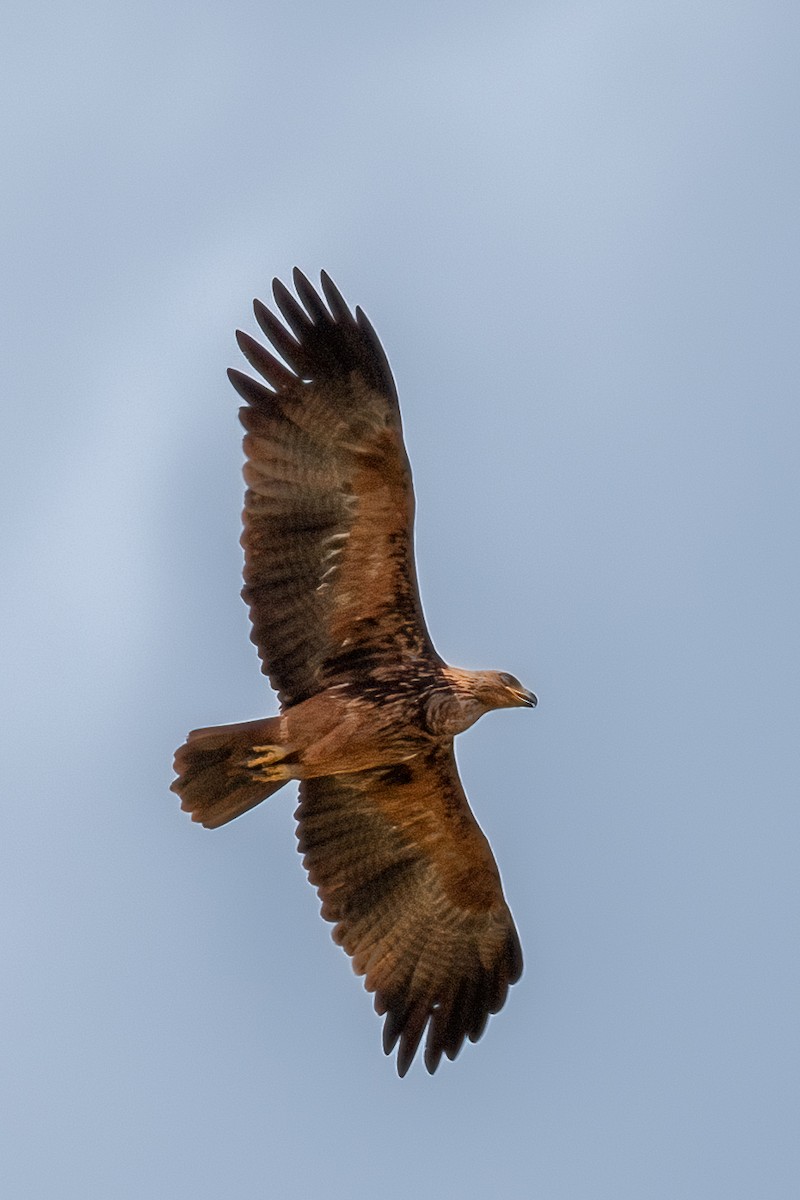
368, 708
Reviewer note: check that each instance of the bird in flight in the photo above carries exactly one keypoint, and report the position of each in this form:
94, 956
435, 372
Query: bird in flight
368, 709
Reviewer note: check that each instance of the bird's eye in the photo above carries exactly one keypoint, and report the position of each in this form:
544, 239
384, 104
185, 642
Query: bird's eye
508, 680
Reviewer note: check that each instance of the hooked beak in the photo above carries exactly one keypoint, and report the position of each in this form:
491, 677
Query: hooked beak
526, 699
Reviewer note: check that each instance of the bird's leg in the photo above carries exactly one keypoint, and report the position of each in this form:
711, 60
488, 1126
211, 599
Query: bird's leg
265, 756
266, 763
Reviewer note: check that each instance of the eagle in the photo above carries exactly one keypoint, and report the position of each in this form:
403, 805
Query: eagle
368, 709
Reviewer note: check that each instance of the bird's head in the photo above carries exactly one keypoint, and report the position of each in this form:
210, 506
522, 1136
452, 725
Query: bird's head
485, 690
498, 689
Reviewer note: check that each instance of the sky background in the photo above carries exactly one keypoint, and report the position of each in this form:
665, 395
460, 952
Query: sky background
575, 227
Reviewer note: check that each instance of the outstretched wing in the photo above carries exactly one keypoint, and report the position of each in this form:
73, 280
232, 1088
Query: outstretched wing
329, 509
402, 867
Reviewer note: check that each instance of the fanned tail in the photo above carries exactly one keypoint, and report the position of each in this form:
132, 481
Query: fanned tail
227, 769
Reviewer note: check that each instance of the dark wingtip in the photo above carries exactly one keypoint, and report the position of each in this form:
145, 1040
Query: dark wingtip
335, 299
311, 299
249, 389
517, 964
432, 1059
275, 373
294, 315
404, 1060
383, 372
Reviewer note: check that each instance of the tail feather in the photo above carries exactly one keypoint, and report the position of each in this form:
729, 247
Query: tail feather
225, 770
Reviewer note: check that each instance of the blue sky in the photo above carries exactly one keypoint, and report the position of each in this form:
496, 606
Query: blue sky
575, 228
